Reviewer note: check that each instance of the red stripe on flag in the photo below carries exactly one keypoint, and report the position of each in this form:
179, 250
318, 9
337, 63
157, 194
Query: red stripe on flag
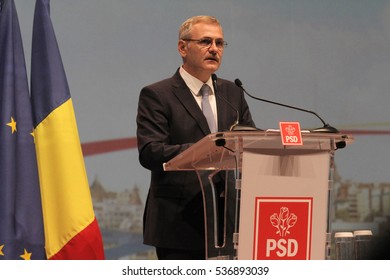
86, 245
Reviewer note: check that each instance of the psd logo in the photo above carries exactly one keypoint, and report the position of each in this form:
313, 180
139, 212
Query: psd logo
284, 221
290, 132
282, 228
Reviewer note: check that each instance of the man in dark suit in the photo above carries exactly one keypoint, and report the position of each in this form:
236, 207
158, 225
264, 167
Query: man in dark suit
170, 120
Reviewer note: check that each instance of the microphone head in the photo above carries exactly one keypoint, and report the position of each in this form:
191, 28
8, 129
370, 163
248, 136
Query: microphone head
238, 82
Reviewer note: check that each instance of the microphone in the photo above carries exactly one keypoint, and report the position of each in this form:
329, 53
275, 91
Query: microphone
235, 126
325, 129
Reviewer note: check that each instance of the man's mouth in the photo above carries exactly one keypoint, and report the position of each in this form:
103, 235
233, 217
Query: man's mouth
212, 59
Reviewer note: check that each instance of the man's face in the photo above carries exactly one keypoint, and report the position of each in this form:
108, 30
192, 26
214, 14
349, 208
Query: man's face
200, 60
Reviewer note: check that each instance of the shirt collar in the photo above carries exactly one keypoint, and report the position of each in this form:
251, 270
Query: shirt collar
193, 83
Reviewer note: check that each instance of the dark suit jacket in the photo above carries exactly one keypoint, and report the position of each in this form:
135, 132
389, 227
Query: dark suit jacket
169, 120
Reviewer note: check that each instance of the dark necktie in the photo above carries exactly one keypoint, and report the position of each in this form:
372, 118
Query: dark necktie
206, 107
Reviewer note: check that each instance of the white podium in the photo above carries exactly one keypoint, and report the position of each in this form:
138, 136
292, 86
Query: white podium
276, 200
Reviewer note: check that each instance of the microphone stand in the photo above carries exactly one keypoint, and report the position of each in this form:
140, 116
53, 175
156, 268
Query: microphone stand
325, 129
236, 125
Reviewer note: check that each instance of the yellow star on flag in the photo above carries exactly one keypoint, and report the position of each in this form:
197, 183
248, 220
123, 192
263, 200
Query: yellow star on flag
26, 256
12, 124
1, 250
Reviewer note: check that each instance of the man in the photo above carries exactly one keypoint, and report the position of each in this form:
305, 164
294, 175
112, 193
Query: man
170, 120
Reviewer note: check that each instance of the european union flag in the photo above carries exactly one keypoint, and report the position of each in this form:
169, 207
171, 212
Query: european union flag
21, 226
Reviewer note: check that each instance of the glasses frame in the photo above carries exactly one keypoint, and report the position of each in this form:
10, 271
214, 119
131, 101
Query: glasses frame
210, 42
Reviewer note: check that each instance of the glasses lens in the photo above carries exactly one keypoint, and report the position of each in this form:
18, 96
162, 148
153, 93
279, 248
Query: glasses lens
205, 42
220, 44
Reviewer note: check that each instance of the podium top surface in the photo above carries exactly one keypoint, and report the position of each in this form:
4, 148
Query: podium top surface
223, 150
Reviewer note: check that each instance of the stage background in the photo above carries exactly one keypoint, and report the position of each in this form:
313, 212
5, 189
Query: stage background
328, 56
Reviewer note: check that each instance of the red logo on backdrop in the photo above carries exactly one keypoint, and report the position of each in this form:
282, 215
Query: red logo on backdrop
290, 133
282, 228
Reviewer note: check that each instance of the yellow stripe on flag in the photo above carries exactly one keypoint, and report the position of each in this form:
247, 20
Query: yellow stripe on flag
66, 200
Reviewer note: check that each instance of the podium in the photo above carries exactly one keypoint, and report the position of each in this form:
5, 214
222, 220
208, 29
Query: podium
275, 201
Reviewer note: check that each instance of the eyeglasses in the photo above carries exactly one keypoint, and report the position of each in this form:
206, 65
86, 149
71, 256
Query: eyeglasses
207, 42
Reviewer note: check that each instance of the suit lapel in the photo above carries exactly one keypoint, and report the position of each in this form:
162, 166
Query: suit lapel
184, 95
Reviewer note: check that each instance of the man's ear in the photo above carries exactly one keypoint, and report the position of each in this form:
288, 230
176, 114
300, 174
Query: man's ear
182, 48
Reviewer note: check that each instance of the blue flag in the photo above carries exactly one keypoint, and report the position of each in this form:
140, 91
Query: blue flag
21, 226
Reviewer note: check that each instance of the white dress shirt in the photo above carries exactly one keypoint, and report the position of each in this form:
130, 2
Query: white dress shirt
194, 85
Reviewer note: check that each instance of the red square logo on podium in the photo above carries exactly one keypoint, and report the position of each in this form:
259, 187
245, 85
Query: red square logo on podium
282, 228
290, 133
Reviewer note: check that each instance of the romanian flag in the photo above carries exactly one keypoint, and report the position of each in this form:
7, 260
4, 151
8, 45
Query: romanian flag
21, 225
71, 228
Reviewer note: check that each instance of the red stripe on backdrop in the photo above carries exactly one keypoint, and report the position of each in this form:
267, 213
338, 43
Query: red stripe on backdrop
366, 132
107, 146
